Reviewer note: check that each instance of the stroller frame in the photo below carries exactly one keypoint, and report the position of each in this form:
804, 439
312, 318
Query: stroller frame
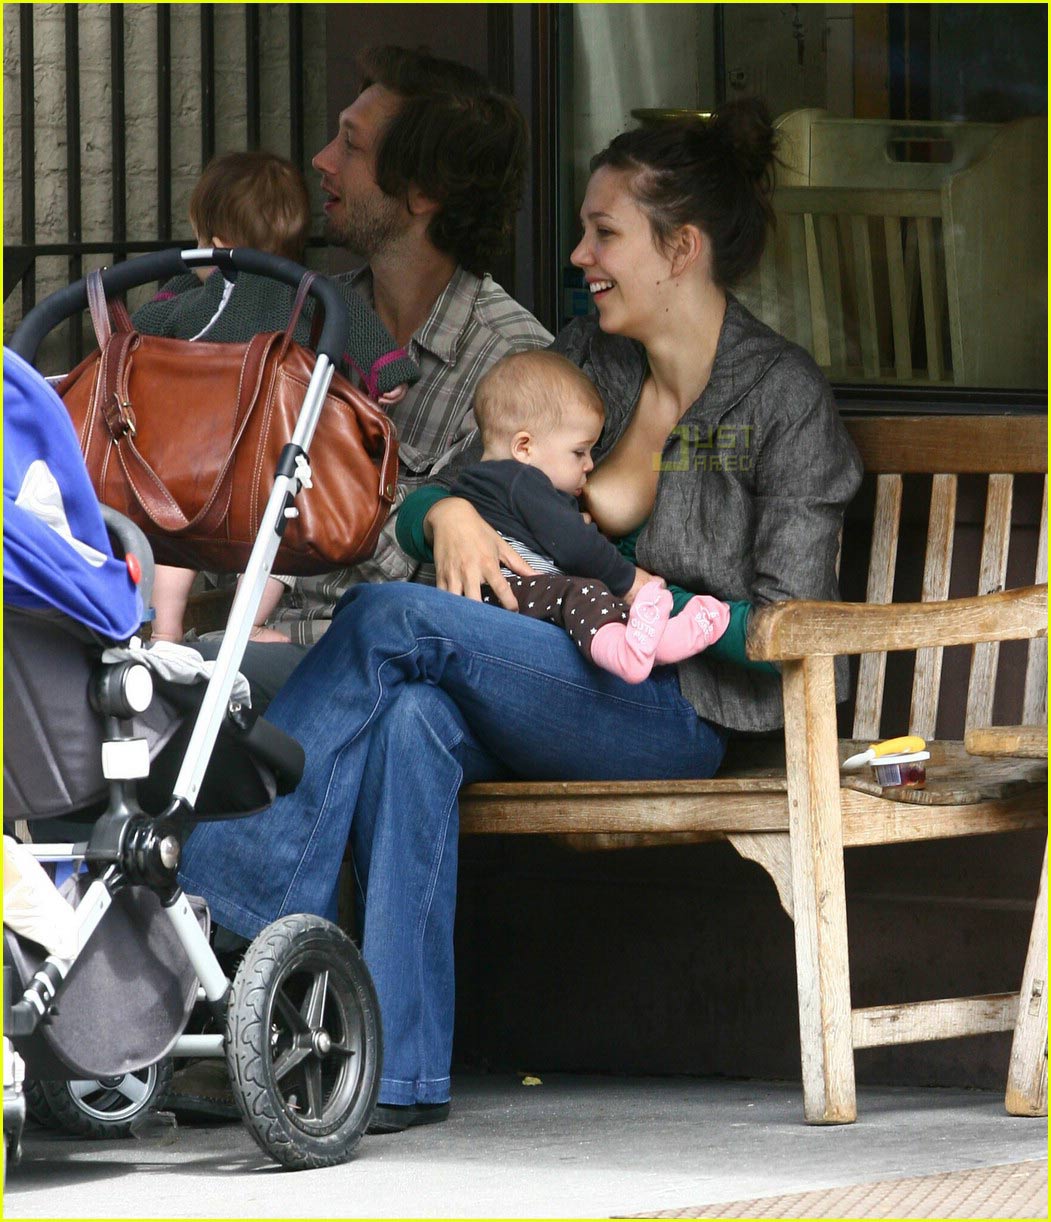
129, 847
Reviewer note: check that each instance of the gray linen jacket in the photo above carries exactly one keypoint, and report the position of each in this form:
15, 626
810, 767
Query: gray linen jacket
750, 499
751, 496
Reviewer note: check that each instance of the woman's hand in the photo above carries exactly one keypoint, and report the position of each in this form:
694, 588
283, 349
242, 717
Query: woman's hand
468, 553
641, 577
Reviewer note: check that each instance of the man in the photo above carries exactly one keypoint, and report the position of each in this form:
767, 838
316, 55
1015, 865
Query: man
422, 180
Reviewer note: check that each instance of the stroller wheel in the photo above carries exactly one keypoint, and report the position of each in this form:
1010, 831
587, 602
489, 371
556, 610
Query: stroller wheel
107, 1107
12, 1151
303, 1042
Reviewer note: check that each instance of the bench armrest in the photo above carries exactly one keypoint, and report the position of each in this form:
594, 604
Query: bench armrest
798, 629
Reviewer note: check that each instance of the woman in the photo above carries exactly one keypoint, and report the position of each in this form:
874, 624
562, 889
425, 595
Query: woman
721, 442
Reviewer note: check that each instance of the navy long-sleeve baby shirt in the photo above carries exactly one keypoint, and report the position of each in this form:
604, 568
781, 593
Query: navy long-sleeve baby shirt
521, 503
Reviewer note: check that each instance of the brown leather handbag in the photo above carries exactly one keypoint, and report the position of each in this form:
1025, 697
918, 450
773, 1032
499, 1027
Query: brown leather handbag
184, 439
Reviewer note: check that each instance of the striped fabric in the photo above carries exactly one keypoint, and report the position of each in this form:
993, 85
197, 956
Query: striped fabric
472, 324
537, 562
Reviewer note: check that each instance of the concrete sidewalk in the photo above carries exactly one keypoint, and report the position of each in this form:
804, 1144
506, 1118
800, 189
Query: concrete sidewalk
570, 1147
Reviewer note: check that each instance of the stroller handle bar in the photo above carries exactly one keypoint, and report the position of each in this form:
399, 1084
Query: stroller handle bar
43, 318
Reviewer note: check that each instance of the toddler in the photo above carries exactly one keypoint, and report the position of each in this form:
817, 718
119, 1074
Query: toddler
259, 200
539, 417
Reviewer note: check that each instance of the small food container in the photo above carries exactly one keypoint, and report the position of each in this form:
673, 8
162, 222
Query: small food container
902, 771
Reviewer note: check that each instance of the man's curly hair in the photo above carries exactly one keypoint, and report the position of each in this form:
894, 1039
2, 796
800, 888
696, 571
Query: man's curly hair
456, 139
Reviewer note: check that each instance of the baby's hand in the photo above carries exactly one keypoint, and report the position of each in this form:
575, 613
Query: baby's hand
390, 397
641, 577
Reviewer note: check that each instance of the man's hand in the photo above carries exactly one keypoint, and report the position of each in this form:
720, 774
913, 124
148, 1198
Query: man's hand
641, 577
468, 553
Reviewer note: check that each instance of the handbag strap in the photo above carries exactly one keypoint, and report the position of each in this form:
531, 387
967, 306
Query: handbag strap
119, 314
100, 319
297, 310
317, 320
106, 316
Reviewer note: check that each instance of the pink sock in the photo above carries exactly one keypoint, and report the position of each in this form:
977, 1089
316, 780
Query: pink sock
699, 624
628, 650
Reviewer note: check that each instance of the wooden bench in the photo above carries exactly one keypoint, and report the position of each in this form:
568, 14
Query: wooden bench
786, 805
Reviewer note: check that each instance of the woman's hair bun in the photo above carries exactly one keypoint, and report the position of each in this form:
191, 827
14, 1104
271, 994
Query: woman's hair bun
745, 127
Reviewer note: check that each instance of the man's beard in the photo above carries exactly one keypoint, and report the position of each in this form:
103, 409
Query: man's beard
367, 227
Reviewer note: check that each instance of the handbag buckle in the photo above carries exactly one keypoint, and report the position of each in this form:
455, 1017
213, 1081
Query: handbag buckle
122, 421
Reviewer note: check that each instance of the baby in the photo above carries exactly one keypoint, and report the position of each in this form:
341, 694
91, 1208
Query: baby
539, 417
260, 200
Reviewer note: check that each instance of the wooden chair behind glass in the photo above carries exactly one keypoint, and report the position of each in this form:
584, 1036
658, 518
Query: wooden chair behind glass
912, 253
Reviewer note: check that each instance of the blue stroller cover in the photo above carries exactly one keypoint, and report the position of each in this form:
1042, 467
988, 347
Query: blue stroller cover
57, 553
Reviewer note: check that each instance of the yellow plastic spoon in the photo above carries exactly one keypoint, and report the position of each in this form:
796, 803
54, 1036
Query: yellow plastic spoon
905, 745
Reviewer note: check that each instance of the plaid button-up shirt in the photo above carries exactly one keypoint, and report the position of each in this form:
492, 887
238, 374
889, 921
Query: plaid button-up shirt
472, 324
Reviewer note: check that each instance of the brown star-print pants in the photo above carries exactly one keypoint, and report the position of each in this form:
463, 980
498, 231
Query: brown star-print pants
580, 605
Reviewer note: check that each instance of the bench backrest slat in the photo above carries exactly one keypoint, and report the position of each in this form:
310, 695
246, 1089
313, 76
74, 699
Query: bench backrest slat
1034, 703
992, 577
945, 447
937, 567
882, 561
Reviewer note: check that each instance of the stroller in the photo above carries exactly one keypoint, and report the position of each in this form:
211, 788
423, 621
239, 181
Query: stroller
117, 752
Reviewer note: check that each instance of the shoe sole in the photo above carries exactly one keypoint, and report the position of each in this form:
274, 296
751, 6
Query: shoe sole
196, 1106
378, 1126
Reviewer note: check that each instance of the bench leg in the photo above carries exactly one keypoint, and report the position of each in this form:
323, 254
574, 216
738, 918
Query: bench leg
818, 892
1027, 1074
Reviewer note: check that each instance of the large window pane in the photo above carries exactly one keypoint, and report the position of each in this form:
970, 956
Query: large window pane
911, 195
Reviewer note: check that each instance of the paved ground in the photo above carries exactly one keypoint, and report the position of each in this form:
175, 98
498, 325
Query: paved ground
570, 1147
1012, 1190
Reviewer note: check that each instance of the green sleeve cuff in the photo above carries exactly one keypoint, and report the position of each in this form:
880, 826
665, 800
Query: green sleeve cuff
679, 598
730, 647
408, 524
626, 545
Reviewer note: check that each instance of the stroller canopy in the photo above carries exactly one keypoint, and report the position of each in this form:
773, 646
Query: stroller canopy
57, 552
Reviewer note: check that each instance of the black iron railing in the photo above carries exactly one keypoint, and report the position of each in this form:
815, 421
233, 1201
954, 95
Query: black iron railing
20, 258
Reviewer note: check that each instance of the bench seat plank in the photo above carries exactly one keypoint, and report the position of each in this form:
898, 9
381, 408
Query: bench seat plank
869, 820
954, 777
525, 811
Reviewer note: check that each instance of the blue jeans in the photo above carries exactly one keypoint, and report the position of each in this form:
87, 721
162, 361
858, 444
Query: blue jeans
411, 693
